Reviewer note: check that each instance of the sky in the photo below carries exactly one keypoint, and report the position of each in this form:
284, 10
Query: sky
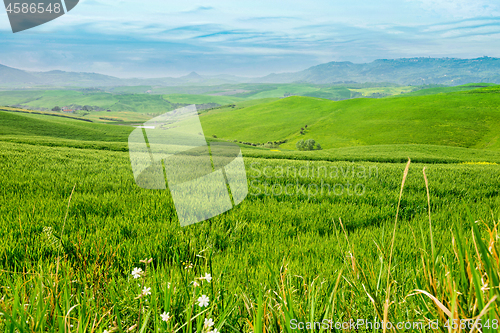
159, 38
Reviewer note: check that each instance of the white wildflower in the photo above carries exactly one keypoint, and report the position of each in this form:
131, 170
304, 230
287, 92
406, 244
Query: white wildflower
203, 301
146, 291
165, 316
136, 273
207, 277
208, 322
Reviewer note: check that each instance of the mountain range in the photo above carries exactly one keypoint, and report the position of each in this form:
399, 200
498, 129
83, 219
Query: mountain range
405, 71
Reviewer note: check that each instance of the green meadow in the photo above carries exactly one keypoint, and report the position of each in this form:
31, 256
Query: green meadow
324, 238
201, 99
156, 100
467, 119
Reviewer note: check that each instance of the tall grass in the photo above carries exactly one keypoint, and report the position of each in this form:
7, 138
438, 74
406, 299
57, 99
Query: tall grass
455, 288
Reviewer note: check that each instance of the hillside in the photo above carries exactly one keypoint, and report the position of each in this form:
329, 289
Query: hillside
23, 125
440, 128
144, 99
97, 99
467, 119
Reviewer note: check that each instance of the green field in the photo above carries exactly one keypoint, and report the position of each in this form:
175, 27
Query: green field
465, 119
48, 99
201, 99
383, 91
315, 239
156, 100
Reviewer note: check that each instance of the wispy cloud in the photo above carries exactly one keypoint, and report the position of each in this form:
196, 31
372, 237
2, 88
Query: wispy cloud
198, 10
131, 38
460, 8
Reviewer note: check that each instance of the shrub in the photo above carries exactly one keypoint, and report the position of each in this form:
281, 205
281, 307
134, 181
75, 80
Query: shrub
309, 144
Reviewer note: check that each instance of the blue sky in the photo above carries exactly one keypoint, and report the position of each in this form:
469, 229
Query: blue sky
158, 38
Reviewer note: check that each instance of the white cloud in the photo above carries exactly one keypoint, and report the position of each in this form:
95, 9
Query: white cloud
460, 8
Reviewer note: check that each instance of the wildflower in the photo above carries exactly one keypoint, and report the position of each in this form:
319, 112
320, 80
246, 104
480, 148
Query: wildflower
215, 331
208, 322
168, 285
131, 328
146, 291
146, 261
165, 316
207, 277
196, 284
136, 273
203, 301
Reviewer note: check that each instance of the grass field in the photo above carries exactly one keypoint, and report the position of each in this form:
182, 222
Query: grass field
465, 119
201, 99
157, 100
383, 91
340, 234
48, 99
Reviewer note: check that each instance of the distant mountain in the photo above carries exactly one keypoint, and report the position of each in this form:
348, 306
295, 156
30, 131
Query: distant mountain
11, 77
412, 71
58, 78
15, 78
407, 71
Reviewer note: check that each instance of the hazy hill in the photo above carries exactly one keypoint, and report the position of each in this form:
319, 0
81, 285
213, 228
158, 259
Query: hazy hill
413, 71
11, 76
15, 78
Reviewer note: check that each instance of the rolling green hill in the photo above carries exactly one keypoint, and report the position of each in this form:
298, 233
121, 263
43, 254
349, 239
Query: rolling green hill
149, 100
444, 90
442, 127
22, 125
47, 99
201, 99
464, 119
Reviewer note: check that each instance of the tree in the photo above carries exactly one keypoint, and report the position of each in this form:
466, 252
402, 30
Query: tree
310, 144
56, 108
300, 145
